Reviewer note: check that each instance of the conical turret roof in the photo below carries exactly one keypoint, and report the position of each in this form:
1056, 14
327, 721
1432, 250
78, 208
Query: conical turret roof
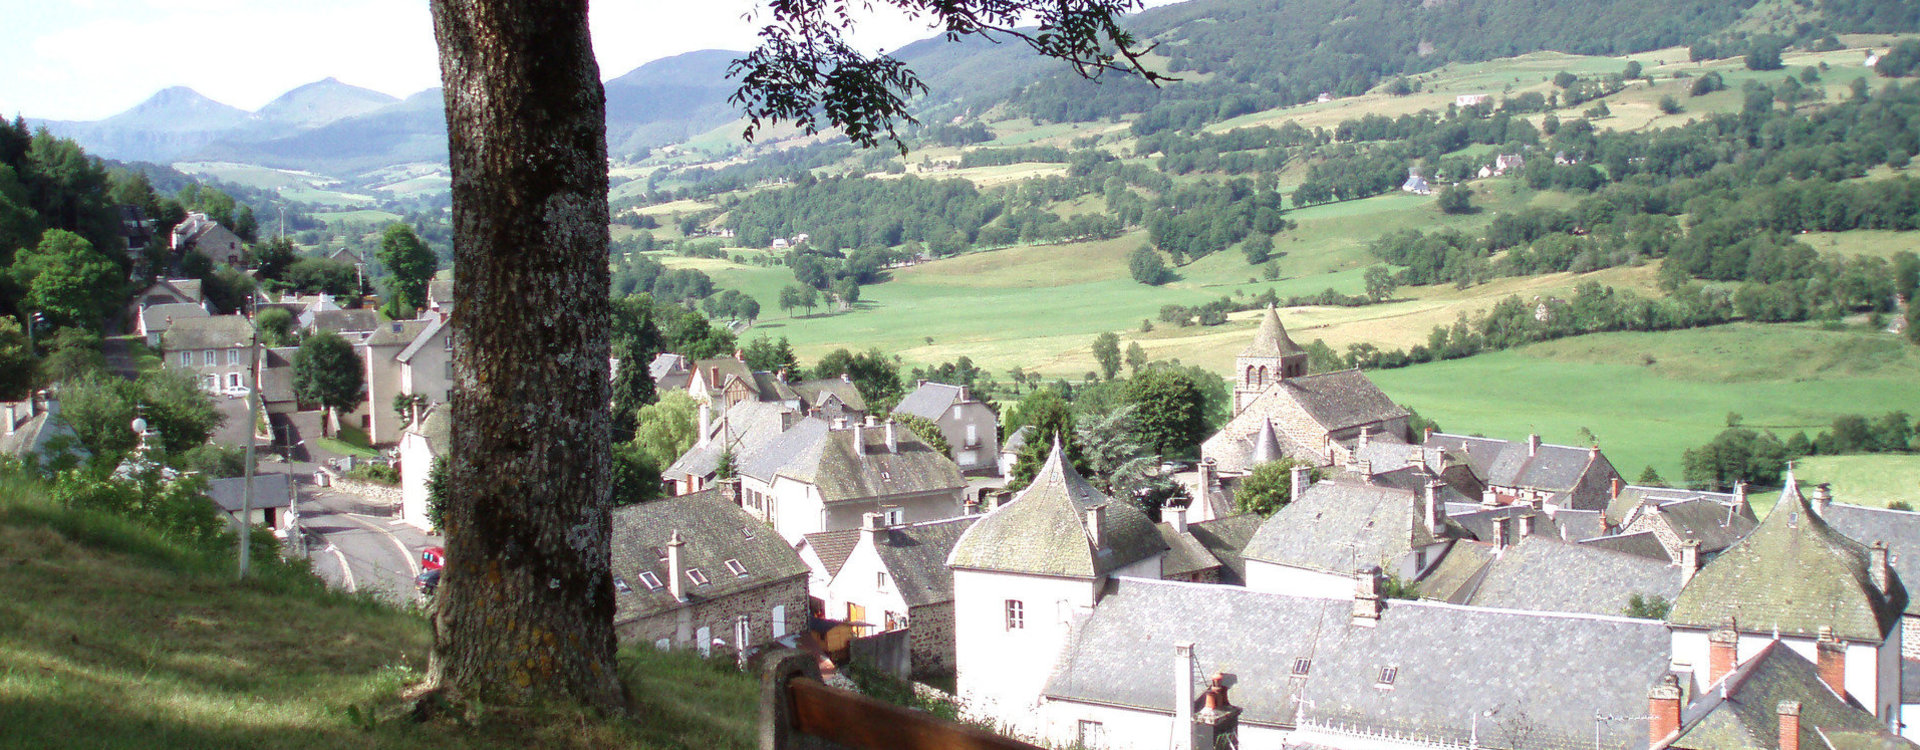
1266, 445
1792, 575
1043, 530
1271, 340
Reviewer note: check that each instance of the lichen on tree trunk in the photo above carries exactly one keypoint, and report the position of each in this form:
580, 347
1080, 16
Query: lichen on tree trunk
526, 605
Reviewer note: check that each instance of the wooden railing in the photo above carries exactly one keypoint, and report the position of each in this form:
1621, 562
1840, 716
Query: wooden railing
797, 710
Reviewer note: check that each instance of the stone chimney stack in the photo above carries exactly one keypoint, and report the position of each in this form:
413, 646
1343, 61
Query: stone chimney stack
1366, 598
1097, 526
9, 417
1740, 492
1366, 435
1526, 527
1417, 456
1613, 490
1689, 561
860, 440
893, 438
1878, 567
1176, 516
1663, 710
846, 377
1832, 661
730, 490
871, 526
1299, 476
1489, 498
1500, 540
1206, 469
1533, 445
1362, 468
706, 421
1182, 695
1822, 497
676, 582
713, 376
1789, 725
1436, 511
1217, 718
1723, 649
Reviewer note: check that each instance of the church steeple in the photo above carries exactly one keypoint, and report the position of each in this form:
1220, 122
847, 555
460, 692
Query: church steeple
1270, 358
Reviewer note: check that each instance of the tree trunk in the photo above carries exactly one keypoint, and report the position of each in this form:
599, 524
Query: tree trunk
526, 603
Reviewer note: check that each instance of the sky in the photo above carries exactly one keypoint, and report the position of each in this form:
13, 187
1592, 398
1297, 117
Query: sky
90, 59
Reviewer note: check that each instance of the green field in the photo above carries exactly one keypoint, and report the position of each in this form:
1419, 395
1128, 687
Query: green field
1868, 479
1647, 397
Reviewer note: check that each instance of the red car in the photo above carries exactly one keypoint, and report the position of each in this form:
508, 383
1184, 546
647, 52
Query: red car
432, 559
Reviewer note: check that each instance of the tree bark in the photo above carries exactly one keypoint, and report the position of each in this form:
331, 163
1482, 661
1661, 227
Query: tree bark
526, 603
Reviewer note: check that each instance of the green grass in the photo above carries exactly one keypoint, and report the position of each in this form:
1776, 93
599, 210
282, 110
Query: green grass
1873, 479
1647, 397
348, 441
113, 638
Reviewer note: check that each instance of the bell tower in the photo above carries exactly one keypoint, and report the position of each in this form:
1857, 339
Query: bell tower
1271, 358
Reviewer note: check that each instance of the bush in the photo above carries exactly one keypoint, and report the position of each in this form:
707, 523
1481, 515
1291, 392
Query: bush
376, 473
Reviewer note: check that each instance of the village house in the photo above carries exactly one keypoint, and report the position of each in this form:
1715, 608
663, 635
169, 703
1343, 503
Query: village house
427, 439
1464, 101
896, 578
402, 358
738, 432
34, 430
272, 500
971, 428
829, 398
1711, 520
696, 571
1206, 551
1415, 183
1775, 699
1520, 570
206, 237
1899, 530
1025, 571
818, 476
1342, 524
154, 320
213, 350
169, 292
1533, 473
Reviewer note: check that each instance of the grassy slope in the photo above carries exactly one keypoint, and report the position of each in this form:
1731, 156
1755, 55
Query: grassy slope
1649, 396
1868, 479
110, 638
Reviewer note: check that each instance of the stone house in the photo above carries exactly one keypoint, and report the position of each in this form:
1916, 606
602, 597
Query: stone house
1024, 572
211, 349
206, 237
1899, 530
1533, 473
821, 477
154, 320
1775, 699
1543, 573
34, 429
896, 578
169, 292
403, 357
1713, 521
971, 428
1206, 551
1312, 546
742, 429
696, 571
272, 500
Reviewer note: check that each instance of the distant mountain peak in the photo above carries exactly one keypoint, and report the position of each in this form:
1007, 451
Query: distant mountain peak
321, 102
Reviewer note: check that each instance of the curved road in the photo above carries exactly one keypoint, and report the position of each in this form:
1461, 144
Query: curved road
355, 544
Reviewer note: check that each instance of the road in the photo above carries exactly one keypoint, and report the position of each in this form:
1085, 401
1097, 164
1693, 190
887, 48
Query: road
360, 545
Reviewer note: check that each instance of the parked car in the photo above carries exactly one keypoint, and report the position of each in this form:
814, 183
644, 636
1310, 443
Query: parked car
236, 391
427, 581
433, 558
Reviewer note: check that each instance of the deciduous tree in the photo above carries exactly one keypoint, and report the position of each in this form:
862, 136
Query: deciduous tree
326, 371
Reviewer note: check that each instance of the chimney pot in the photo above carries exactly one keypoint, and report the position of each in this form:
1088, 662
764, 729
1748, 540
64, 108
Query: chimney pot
1663, 709
1822, 496
676, 584
1789, 712
1217, 692
871, 526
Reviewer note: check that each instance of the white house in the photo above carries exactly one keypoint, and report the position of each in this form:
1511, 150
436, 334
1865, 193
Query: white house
427, 439
1314, 545
821, 477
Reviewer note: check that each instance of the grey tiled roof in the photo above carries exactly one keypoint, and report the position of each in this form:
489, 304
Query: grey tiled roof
916, 557
158, 317
1632, 495
1452, 662
437, 428
1746, 714
341, 321
746, 427
929, 401
215, 332
269, 491
276, 373
1043, 530
714, 531
1342, 525
1341, 400
1715, 525
1793, 574
798, 445
833, 547
812, 452
1555, 468
1480, 522
1016, 440
1232, 448
1546, 574
666, 363
441, 291
1643, 543
1576, 525
814, 391
397, 332
42, 435
1185, 553
1454, 579
1226, 539
771, 388
1898, 528
727, 368
1271, 339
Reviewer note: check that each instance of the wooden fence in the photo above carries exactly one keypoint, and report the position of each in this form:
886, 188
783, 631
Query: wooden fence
798, 711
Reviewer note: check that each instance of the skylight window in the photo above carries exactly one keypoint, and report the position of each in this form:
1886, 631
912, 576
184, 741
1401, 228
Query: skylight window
746, 531
620, 585
736, 568
1388, 675
649, 580
698, 578
660, 552
1301, 666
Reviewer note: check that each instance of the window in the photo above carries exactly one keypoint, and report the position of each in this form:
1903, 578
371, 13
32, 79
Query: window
1301, 666
1092, 734
698, 578
660, 552
620, 585
233, 357
880, 580
233, 380
1016, 615
649, 580
1387, 676
209, 357
973, 436
779, 618
734, 567
703, 639
746, 531
186, 359
893, 516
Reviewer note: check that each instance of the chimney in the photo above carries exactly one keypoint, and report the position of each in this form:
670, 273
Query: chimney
1362, 468
787, 420
706, 421
1526, 526
730, 490
1822, 497
1789, 725
1435, 511
1366, 435
675, 584
871, 524
1176, 516
1366, 597
1218, 718
893, 438
860, 440
963, 396
1426, 435
10, 424
1614, 491
972, 507
1500, 532
1831, 661
1533, 445
1722, 651
1182, 695
870, 420
1740, 492
1689, 561
1417, 456
1097, 526
1299, 486
713, 376
1205, 469
846, 377
1663, 710
1593, 452
1489, 498
1878, 568
739, 355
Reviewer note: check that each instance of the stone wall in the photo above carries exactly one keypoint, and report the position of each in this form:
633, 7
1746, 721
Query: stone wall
387, 494
930, 629
887, 653
679, 626
1909, 637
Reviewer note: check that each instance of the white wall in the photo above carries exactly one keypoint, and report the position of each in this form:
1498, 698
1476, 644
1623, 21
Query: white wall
1001, 671
1138, 729
416, 461
1274, 578
1873, 670
856, 583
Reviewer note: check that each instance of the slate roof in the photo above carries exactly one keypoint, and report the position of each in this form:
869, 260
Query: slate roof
189, 289
666, 363
1898, 528
1546, 574
1481, 521
1793, 574
930, 400
1621, 506
814, 453
341, 321
1185, 553
833, 547
1226, 539
397, 332
1746, 713
276, 373
1016, 440
437, 427
728, 369
1577, 525
440, 291
771, 388
1343, 525
812, 392
1043, 530
1715, 525
1554, 468
1452, 662
214, 332
156, 318
1271, 339
1642, 543
1454, 579
747, 427
269, 491
1341, 400
916, 557
1233, 447
714, 531
40, 434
